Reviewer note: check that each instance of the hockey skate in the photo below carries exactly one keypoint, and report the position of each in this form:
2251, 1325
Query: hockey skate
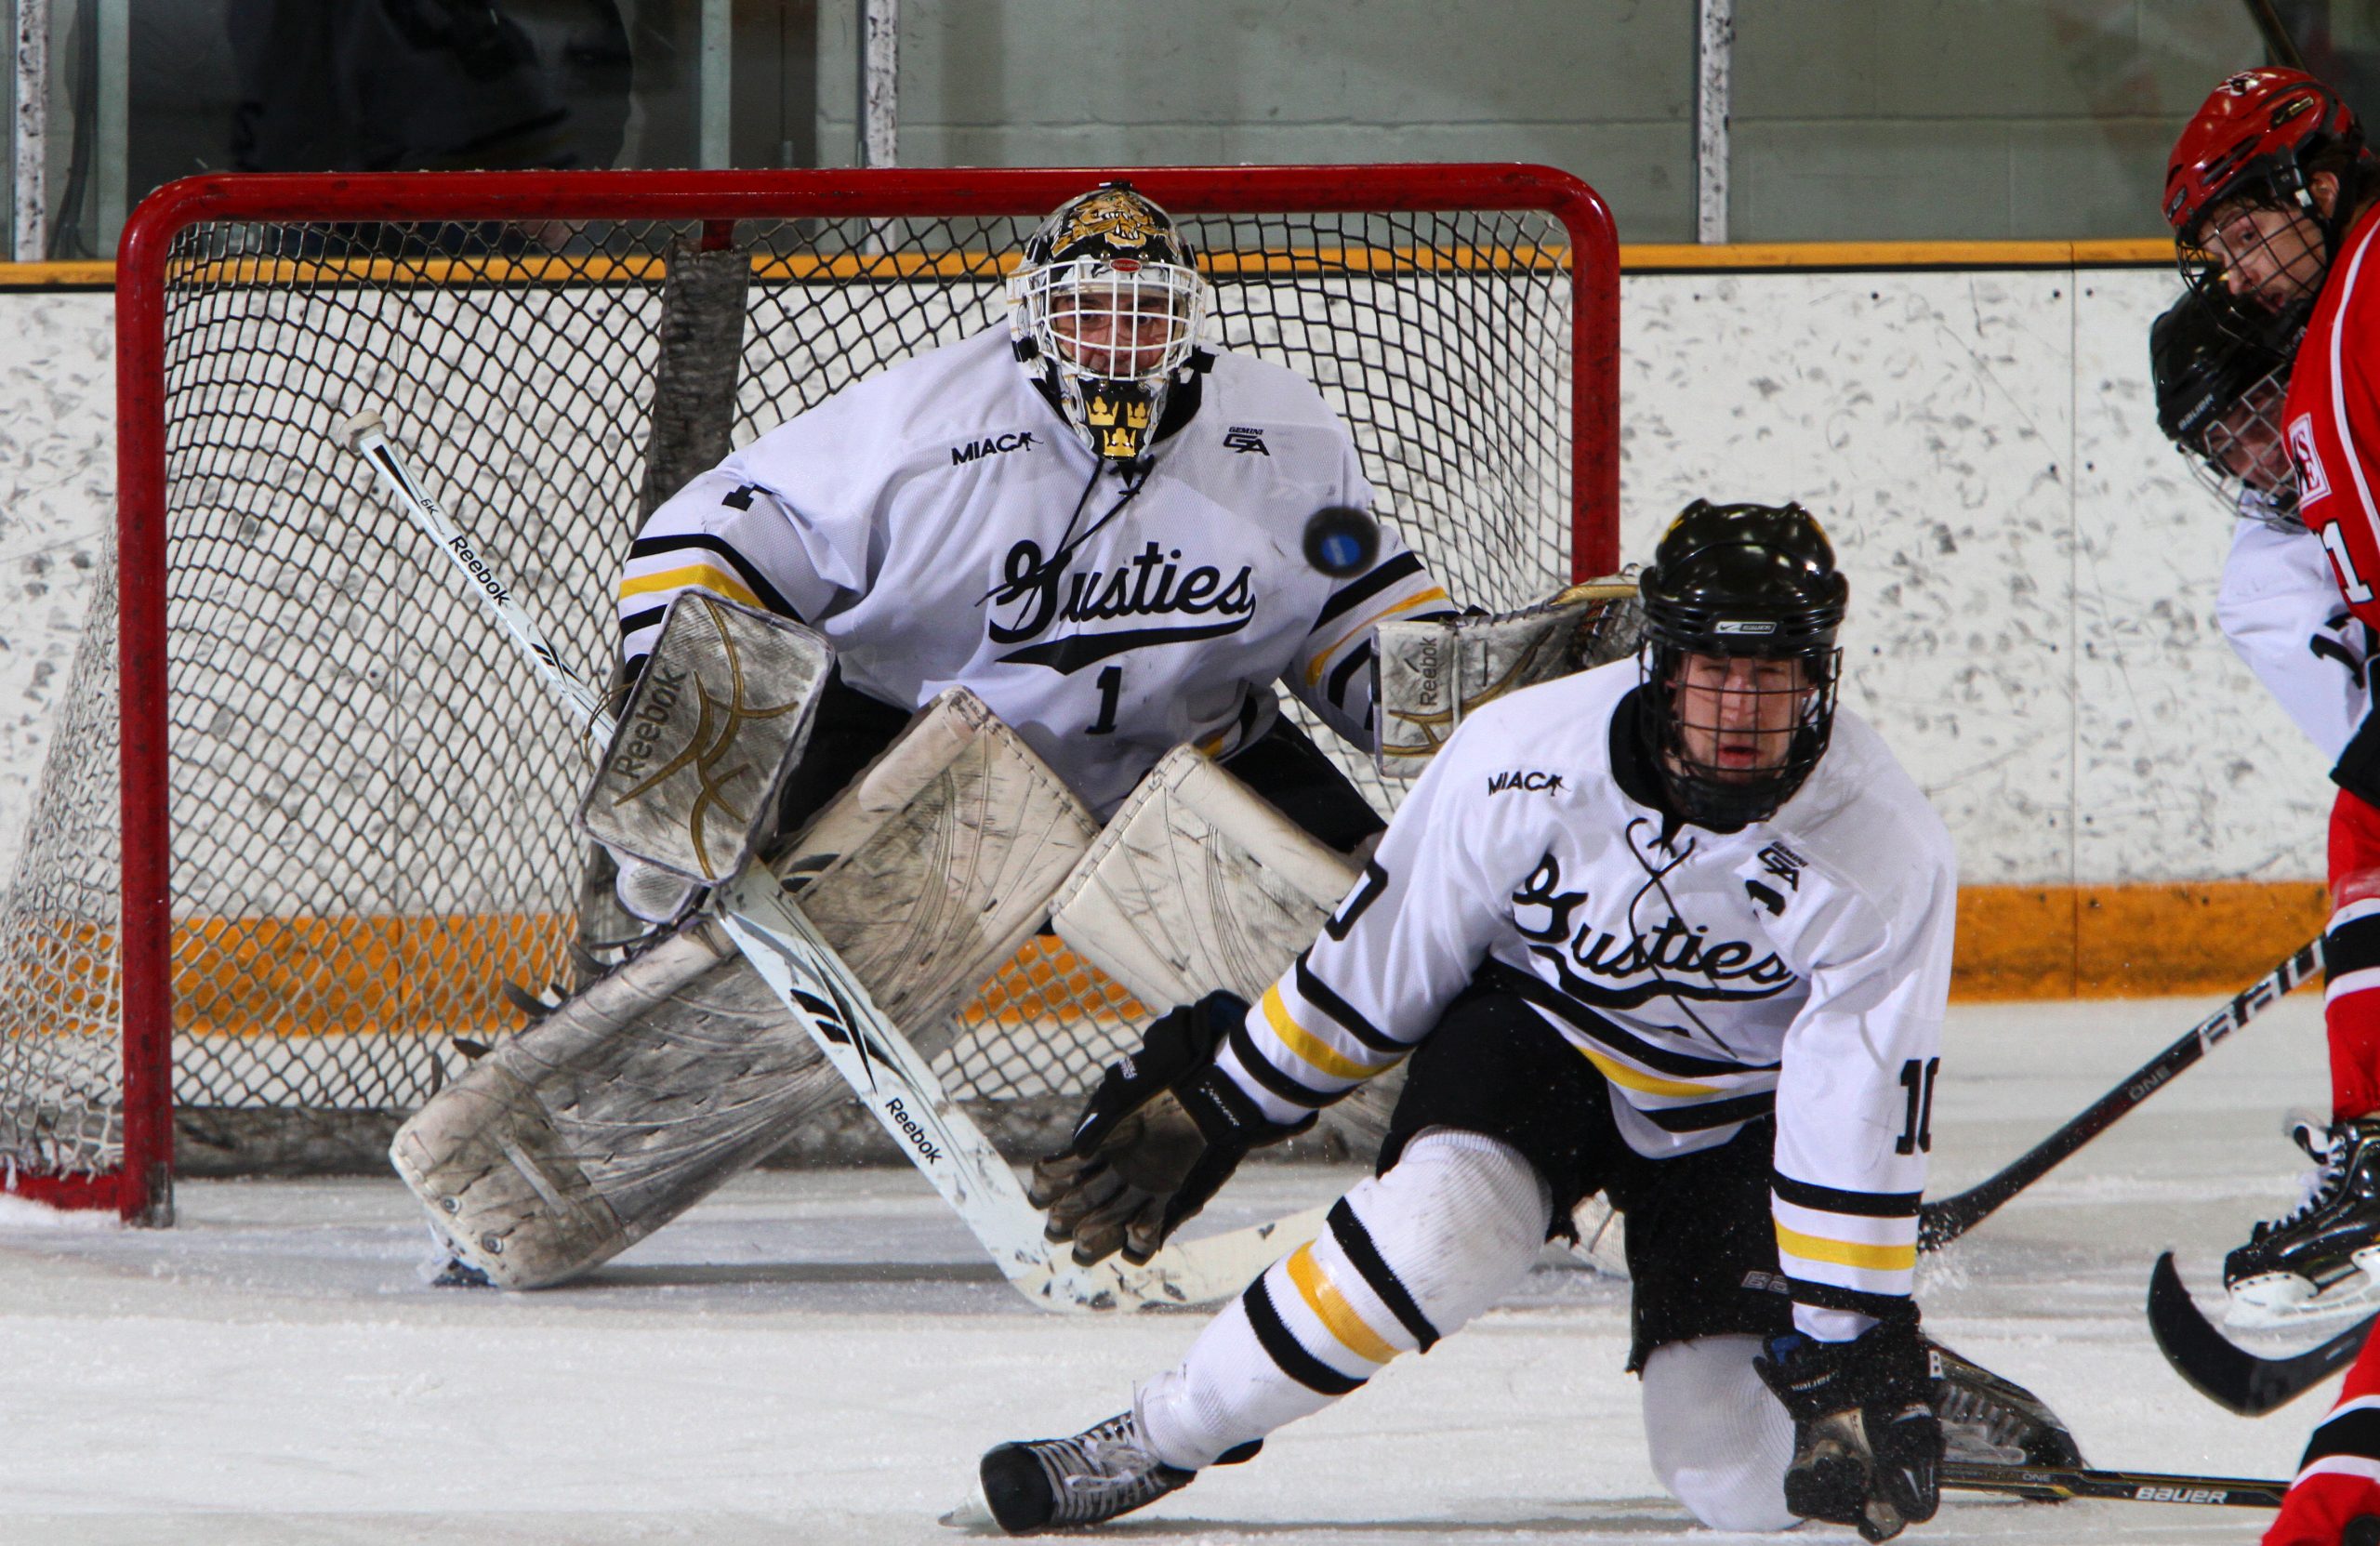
1053, 1484
2323, 1258
1990, 1421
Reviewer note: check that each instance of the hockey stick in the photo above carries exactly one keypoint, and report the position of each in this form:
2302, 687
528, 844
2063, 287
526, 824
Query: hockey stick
2058, 1484
363, 434
865, 1047
2223, 1371
1940, 1223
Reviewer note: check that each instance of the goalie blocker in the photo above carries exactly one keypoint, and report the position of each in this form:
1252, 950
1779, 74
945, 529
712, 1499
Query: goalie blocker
709, 730
642, 1094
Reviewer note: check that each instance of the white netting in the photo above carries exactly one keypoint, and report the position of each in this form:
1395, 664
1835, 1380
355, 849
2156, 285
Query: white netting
371, 798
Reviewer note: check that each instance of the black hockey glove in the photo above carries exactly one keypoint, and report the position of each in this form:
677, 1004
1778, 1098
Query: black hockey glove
1867, 1445
1164, 1129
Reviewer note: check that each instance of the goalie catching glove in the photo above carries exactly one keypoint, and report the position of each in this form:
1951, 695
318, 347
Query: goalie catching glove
1163, 1132
1866, 1445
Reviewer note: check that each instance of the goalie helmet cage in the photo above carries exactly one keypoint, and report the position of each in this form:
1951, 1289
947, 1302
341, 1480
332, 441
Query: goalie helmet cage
341, 822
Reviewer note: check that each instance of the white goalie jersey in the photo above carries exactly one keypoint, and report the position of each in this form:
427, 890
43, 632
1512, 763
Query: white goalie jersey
941, 527
1800, 965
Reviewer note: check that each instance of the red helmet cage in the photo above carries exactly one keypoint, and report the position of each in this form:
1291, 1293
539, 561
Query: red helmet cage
2258, 124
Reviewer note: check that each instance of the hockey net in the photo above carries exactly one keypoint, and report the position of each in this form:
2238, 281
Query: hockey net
303, 814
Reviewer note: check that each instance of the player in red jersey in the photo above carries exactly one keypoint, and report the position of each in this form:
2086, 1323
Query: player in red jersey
2272, 199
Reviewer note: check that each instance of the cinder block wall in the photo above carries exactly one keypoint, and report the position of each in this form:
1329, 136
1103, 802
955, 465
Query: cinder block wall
1853, 119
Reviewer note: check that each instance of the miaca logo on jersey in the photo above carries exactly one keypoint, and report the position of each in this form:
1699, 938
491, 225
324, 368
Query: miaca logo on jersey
1598, 965
992, 445
1037, 594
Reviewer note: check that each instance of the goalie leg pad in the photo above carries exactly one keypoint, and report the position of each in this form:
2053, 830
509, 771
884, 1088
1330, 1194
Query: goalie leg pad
1198, 884
634, 1100
939, 861
647, 1091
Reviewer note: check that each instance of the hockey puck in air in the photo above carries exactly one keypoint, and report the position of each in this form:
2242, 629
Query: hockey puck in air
1341, 540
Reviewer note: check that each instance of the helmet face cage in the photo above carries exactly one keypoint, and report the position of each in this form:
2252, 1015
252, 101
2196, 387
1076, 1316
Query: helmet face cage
1106, 307
1119, 320
1736, 732
2264, 245
2240, 457
1739, 668
2222, 376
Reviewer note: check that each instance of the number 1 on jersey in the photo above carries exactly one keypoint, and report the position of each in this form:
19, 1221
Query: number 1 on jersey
1917, 1135
2351, 585
1111, 687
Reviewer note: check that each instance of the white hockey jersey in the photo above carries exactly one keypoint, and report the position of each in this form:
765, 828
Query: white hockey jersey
1800, 965
2280, 607
940, 526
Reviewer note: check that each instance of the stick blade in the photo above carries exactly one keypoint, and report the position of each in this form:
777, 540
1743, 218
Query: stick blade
2063, 1484
350, 431
2226, 1373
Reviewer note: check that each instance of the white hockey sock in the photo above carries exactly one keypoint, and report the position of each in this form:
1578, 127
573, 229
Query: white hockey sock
1720, 1441
1407, 1257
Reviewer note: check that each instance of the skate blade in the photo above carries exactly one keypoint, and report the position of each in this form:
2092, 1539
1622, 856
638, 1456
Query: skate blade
973, 1516
2356, 1295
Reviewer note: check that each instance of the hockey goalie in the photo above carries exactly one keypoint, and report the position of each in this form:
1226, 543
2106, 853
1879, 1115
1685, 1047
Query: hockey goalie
989, 638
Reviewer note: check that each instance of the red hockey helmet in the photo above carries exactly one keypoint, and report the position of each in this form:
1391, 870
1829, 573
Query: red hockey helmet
2256, 132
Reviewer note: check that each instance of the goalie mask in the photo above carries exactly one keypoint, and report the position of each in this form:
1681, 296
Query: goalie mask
1739, 665
1105, 309
2221, 380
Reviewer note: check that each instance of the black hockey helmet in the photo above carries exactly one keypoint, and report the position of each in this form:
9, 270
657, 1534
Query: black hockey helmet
1731, 584
2222, 374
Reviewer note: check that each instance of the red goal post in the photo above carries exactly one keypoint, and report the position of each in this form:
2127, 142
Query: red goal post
1465, 319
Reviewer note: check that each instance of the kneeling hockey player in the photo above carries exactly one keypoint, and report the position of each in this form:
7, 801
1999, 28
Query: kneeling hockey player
1677, 932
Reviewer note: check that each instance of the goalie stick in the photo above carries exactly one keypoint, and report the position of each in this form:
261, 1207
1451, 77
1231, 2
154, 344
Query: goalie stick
865, 1047
2223, 1371
1942, 1221
2060, 1484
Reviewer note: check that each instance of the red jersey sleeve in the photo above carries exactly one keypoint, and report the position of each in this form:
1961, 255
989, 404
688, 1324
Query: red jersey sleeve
2333, 418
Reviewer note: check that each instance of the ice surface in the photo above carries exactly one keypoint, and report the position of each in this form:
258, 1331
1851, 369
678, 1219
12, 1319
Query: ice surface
819, 1357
